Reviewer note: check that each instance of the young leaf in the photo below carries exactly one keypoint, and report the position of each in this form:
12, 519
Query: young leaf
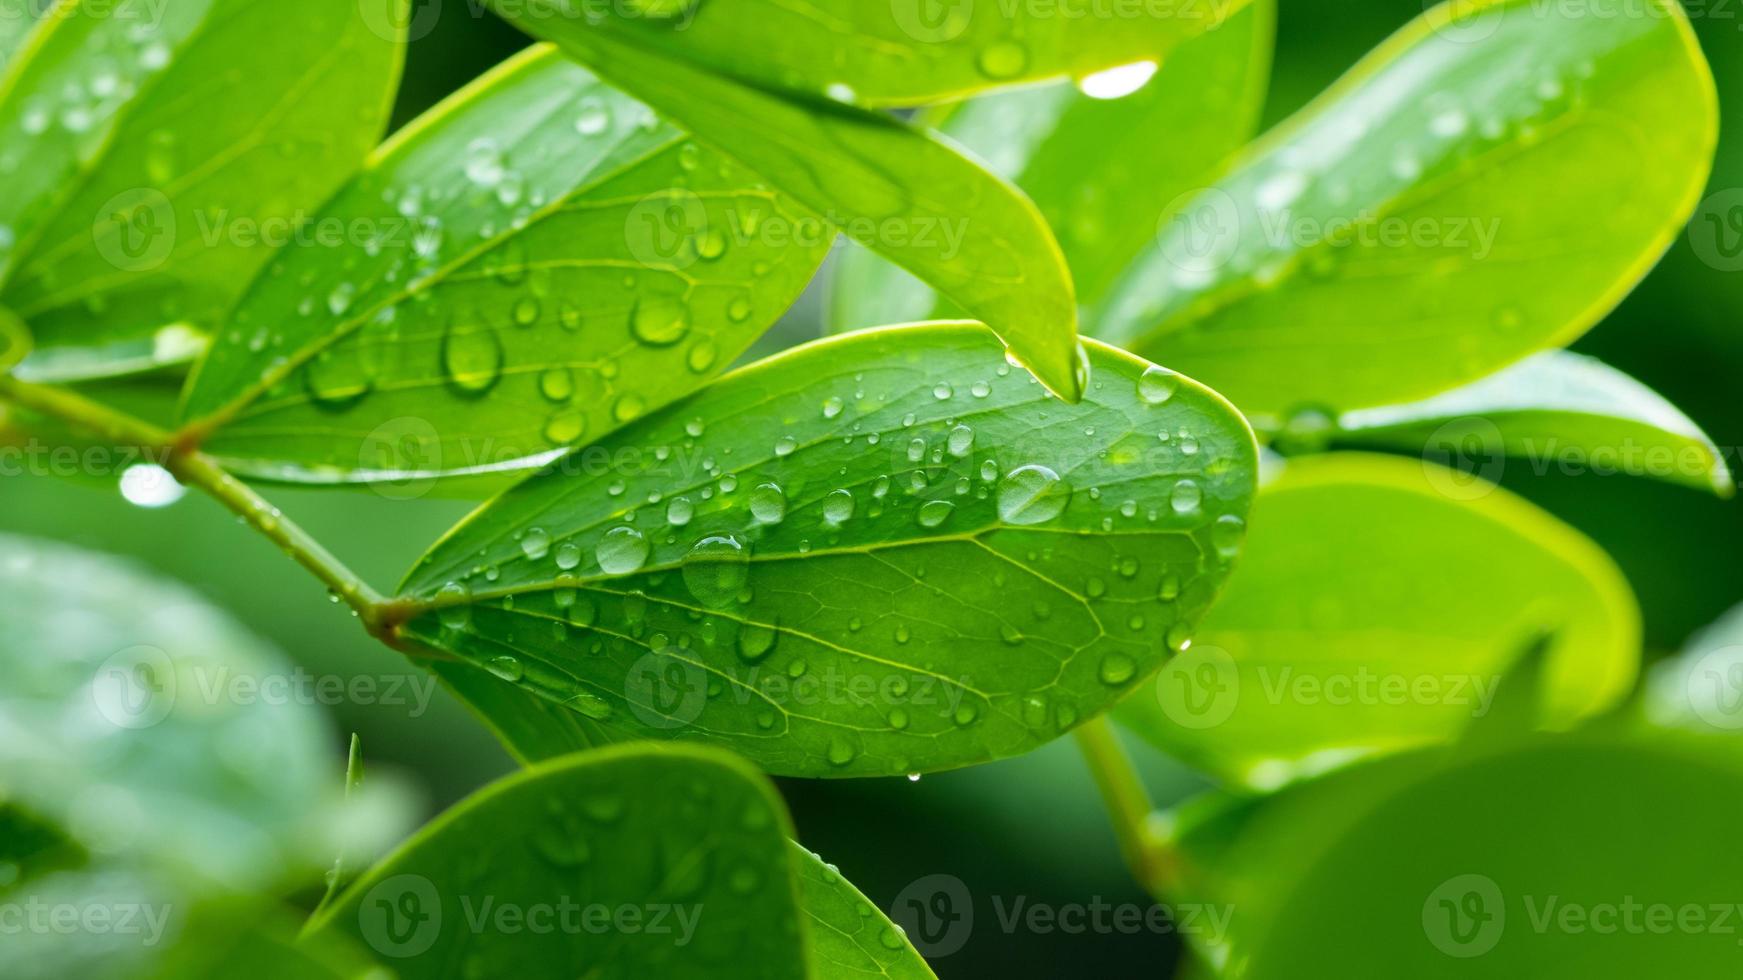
687, 846
846, 934
1486, 184
1378, 605
1090, 161
14, 339
160, 149
881, 553
894, 189
1553, 409
548, 261
900, 53
133, 708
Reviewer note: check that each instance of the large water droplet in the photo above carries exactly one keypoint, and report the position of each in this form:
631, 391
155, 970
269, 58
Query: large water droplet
472, 356
1157, 385
1185, 497
536, 543
659, 321
935, 512
1032, 495
768, 503
716, 570
623, 550
838, 506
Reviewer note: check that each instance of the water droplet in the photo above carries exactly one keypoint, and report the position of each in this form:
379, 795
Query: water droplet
1227, 535
935, 512
536, 543
659, 321
942, 392
594, 117
457, 614
1006, 59
679, 511
832, 407
335, 379
566, 427
960, 442
838, 506
568, 556
768, 503
755, 641
1117, 669
557, 384
484, 165
785, 445
621, 551
702, 356
1185, 497
1032, 495
1157, 385
842, 750
716, 569
472, 357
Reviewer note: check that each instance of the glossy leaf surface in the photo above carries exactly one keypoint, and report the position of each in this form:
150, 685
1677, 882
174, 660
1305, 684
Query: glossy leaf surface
883, 553
1486, 184
546, 261
1378, 606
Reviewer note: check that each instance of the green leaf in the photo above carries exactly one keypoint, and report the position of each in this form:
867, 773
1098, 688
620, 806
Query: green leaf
880, 553
1091, 163
15, 340
133, 736
1379, 603
1357, 875
1488, 183
15, 28
1701, 688
687, 844
1555, 410
899, 53
560, 263
158, 144
895, 189
846, 934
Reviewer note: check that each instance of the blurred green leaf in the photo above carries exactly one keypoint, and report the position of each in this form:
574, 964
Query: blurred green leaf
847, 934
537, 874
1548, 858
160, 143
877, 554
15, 339
1377, 607
900, 53
1489, 182
891, 187
1701, 688
122, 724
1554, 410
554, 262
15, 29
1091, 161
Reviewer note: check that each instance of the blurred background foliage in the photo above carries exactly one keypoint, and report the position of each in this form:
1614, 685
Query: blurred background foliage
1031, 827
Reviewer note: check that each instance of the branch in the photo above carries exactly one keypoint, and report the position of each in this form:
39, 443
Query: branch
1129, 808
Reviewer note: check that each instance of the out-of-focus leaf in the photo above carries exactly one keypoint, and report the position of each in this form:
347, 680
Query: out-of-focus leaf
554, 262
1378, 606
893, 188
1701, 689
1561, 866
904, 52
1486, 184
1556, 411
133, 718
152, 149
538, 874
15, 27
15, 339
1093, 162
846, 935
880, 553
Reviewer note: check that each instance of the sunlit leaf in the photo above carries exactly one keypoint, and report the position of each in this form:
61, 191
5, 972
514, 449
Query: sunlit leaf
891, 187
549, 262
154, 149
538, 874
1556, 411
1486, 184
901, 52
882, 553
1377, 608
1095, 165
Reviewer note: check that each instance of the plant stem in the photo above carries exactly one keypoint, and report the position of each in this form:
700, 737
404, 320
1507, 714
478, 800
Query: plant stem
1128, 805
196, 469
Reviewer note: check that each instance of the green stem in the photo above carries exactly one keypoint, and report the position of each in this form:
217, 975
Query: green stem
1128, 805
195, 469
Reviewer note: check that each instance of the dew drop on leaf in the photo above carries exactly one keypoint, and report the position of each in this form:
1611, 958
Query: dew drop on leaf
621, 551
1157, 385
768, 503
716, 569
1032, 495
